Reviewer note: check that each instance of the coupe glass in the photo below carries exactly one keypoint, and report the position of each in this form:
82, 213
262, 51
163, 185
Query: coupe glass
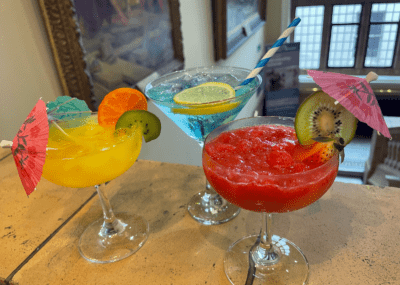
272, 259
88, 155
198, 120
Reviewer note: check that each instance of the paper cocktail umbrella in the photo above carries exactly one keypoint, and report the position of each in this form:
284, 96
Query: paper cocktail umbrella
65, 107
355, 94
29, 147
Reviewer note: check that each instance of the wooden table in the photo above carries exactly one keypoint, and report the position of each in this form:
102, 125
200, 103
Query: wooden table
350, 236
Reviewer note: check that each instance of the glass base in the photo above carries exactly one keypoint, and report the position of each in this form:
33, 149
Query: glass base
291, 267
104, 242
211, 209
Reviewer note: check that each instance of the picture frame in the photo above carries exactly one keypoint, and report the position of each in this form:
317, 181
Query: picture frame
234, 22
79, 53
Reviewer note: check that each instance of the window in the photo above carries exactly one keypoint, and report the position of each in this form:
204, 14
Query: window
348, 36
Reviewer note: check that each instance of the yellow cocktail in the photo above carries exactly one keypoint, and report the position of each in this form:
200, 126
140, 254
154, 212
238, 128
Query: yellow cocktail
81, 153
86, 154
86, 149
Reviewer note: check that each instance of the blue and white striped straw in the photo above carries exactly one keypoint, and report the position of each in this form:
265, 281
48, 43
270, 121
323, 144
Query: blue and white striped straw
260, 65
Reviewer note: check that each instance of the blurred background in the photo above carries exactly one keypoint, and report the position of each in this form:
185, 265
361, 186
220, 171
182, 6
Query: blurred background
351, 37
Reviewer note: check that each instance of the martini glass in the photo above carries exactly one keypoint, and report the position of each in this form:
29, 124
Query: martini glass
80, 153
198, 120
254, 186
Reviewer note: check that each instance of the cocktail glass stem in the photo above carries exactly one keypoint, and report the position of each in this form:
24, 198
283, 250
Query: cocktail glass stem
113, 237
111, 224
266, 253
212, 197
209, 208
265, 259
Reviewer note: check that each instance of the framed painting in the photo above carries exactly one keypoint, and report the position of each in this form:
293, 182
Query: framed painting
102, 45
234, 21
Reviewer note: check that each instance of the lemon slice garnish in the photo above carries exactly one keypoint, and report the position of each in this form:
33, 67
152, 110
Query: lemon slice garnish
205, 93
205, 99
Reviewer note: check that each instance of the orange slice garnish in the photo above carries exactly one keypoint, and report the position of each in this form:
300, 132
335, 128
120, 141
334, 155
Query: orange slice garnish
319, 152
118, 102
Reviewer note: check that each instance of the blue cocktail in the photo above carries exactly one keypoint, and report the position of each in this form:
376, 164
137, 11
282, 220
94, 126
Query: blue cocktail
198, 120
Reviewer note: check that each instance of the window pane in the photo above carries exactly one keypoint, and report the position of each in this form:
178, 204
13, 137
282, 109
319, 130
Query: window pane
346, 14
309, 34
380, 49
343, 46
385, 12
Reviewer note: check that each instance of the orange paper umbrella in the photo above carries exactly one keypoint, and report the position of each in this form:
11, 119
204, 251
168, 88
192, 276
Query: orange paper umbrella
29, 147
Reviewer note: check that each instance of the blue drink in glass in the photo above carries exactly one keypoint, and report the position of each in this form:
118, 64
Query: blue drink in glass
198, 120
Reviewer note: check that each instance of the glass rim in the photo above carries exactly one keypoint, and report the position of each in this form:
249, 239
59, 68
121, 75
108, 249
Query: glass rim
213, 67
332, 161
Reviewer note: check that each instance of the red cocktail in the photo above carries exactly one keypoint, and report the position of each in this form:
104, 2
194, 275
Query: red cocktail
254, 169
250, 163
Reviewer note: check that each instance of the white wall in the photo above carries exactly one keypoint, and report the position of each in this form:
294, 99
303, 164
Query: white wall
27, 71
277, 22
197, 34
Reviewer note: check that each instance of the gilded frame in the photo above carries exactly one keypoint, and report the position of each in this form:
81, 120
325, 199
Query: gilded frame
64, 35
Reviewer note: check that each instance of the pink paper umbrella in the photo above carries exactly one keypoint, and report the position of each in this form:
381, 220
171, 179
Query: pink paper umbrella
29, 147
355, 94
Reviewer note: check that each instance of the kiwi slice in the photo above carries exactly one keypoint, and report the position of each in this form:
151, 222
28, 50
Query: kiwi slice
151, 123
318, 116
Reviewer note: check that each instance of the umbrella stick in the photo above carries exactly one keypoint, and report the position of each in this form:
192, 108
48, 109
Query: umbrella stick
61, 130
58, 107
371, 76
67, 113
345, 95
6, 144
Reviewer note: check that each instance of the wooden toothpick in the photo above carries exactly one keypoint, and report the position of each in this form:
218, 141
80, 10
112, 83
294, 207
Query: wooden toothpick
6, 144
